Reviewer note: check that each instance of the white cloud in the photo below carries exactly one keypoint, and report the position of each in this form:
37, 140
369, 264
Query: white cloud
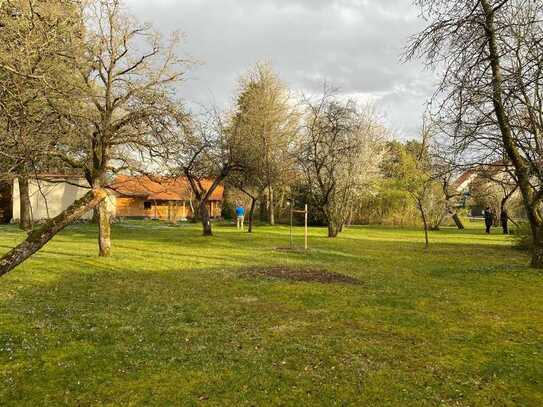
353, 44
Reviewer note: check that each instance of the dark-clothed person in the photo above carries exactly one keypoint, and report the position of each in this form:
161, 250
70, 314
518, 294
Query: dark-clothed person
504, 219
489, 219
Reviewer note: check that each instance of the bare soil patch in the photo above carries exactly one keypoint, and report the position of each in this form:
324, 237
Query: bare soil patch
302, 274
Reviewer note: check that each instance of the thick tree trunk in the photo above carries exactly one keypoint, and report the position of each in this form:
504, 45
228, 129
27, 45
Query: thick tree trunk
104, 229
204, 196
206, 222
271, 203
332, 230
251, 215
40, 236
537, 251
195, 213
521, 169
95, 216
25, 207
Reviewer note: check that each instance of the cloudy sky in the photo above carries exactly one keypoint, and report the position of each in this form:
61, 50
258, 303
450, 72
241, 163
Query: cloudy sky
355, 45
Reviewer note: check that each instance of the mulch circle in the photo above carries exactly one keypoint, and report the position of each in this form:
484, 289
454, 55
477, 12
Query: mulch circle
302, 274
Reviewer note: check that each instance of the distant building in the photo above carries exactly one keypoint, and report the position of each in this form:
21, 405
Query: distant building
462, 183
161, 198
496, 170
50, 194
485, 184
137, 197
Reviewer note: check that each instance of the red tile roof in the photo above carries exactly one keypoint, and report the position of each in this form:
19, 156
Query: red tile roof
160, 188
463, 178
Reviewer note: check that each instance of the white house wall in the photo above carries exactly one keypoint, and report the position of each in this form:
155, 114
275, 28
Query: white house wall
49, 199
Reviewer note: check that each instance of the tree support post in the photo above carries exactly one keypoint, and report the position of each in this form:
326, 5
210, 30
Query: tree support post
290, 225
305, 228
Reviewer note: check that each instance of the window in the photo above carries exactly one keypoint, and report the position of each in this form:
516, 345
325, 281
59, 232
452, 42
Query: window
147, 205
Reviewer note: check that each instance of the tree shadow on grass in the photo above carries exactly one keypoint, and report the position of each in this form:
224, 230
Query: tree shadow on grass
99, 337
133, 336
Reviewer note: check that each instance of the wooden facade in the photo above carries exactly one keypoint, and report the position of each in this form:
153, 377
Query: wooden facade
130, 207
166, 198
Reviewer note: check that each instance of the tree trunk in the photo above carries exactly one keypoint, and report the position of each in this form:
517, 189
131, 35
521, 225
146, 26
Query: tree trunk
251, 214
271, 204
495, 217
206, 222
95, 216
537, 251
25, 207
332, 230
104, 229
457, 221
425, 223
263, 204
40, 236
521, 169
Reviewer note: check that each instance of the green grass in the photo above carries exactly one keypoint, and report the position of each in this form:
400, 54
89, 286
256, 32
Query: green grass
170, 319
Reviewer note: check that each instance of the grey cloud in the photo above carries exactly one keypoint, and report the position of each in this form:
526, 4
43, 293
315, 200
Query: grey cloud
353, 44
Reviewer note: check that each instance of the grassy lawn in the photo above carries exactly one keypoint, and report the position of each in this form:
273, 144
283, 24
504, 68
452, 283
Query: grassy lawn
176, 319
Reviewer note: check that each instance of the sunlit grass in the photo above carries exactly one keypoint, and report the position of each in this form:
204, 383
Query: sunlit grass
171, 319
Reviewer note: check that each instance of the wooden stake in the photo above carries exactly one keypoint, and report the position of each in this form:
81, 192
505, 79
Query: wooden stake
305, 227
291, 225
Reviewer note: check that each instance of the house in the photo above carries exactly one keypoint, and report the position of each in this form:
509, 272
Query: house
487, 185
498, 170
129, 197
161, 198
462, 183
50, 194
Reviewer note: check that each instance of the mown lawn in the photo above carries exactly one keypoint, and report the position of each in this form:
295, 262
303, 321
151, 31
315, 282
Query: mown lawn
175, 319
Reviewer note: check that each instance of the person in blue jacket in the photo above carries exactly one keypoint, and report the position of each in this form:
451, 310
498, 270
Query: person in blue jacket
240, 215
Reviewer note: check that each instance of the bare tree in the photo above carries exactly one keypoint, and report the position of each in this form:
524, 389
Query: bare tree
33, 35
121, 99
446, 173
206, 153
491, 90
118, 100
339, 153
419, 179
494, 186
249, 183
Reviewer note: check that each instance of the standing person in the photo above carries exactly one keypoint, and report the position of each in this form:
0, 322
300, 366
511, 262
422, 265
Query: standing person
240, 215
489, 219
504, 218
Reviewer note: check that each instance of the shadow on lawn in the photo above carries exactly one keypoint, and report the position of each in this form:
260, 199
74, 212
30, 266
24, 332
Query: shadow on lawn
112, 338
185, 249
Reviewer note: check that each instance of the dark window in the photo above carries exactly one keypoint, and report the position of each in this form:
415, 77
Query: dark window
147, 205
